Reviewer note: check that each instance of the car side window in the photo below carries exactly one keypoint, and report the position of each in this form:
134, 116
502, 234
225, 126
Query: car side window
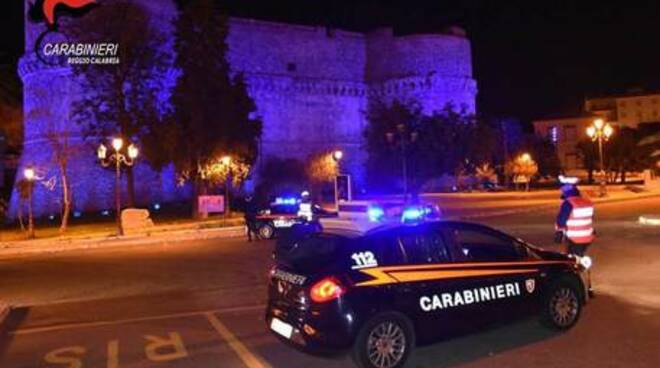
479, 245
426, 247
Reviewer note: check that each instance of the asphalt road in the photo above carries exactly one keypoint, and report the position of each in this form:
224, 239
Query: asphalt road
200, 304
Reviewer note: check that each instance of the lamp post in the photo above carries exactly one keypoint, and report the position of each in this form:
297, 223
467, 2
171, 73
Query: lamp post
117, 157
401, 139
337, 156
226, 162
599, 132
30, 176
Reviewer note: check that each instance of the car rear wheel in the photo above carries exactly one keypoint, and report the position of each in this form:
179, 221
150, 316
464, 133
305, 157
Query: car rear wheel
562, 306
266, 231
385, 341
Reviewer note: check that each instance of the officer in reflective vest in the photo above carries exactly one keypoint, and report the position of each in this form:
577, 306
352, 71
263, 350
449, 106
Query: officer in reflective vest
575, 219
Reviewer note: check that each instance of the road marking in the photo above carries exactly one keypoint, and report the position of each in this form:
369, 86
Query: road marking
250, 359
72, 326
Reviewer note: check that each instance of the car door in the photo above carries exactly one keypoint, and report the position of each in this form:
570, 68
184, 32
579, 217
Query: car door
498, 275
424, 252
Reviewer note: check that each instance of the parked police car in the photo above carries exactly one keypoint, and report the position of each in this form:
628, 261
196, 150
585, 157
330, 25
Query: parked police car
378, 291
283, 213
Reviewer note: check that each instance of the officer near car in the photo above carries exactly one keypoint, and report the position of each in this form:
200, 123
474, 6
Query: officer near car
574, 225
250, 216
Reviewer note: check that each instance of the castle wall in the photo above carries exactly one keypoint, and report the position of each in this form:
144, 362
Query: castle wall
311, 86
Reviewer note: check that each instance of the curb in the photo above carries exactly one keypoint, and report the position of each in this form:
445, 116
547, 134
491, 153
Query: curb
551, 206
4, 313
54, 246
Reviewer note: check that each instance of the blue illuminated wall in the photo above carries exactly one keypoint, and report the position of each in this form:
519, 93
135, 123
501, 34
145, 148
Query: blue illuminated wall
311, 86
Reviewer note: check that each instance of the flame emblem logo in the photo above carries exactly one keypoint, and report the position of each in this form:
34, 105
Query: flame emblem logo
48, 10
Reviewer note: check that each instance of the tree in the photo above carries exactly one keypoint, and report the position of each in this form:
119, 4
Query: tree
544, 153
321, 171
589, 155
121, 99
624, 154
57, 136
281, 177
446, 142
485, 174
522, 168
11, 114
212, 113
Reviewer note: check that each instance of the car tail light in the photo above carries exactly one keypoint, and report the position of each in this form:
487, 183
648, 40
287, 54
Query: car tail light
327, 289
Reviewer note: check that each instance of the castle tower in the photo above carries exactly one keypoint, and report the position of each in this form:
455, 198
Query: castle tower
311, 86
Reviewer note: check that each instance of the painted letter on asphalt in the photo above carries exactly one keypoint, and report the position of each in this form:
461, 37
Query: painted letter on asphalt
159, 349
69, 357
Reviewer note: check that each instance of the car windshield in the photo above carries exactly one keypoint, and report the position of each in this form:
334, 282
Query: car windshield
308, 253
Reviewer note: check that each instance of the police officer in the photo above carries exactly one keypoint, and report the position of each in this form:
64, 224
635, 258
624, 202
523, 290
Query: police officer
574, 223
251, 218
305, 209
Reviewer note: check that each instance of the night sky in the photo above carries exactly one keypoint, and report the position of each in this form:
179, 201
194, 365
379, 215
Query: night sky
531, 58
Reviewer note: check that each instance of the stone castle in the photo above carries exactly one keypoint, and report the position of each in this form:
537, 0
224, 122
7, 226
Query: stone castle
311, 86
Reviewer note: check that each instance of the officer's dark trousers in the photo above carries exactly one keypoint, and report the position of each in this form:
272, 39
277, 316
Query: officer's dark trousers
251, 229
577, 249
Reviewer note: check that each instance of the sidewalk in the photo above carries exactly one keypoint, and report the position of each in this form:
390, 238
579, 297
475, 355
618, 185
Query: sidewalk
209, 229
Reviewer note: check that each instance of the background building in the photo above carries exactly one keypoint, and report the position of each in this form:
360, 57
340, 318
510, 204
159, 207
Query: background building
627, 109
311, 86
565, 133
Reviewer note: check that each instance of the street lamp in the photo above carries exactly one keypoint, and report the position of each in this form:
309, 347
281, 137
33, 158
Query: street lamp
117, 157
337, 156
226, 162
30, 176
526, 157
401, 139
600, 131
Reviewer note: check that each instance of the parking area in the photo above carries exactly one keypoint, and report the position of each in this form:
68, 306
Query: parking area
611, 334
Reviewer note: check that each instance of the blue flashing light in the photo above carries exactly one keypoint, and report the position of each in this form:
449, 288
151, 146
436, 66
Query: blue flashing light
375, 213
105, 213
412, 214
77, 214
286, 201
156, 206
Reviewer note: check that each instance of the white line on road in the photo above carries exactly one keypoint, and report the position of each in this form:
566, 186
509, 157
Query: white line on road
250, 359
71, 326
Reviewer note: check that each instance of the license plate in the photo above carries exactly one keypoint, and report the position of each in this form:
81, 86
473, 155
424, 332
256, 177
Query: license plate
283, 223
281, 328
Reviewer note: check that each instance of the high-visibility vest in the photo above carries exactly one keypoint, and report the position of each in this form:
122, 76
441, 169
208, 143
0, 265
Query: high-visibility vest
579, 227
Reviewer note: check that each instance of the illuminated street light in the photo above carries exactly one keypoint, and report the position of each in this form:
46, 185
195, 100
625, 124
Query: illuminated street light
599, 132
28, 173
117, 143
526, 157
132, 152
226, 162
337, 156
118, 158
30, 176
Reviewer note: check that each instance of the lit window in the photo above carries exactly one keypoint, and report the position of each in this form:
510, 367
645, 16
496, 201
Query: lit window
553, 134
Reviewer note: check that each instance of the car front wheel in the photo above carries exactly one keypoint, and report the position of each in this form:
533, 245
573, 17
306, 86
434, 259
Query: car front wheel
562, 306
385, 341
266, 231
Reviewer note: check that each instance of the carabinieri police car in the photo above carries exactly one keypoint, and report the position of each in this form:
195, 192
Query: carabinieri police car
379, 289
